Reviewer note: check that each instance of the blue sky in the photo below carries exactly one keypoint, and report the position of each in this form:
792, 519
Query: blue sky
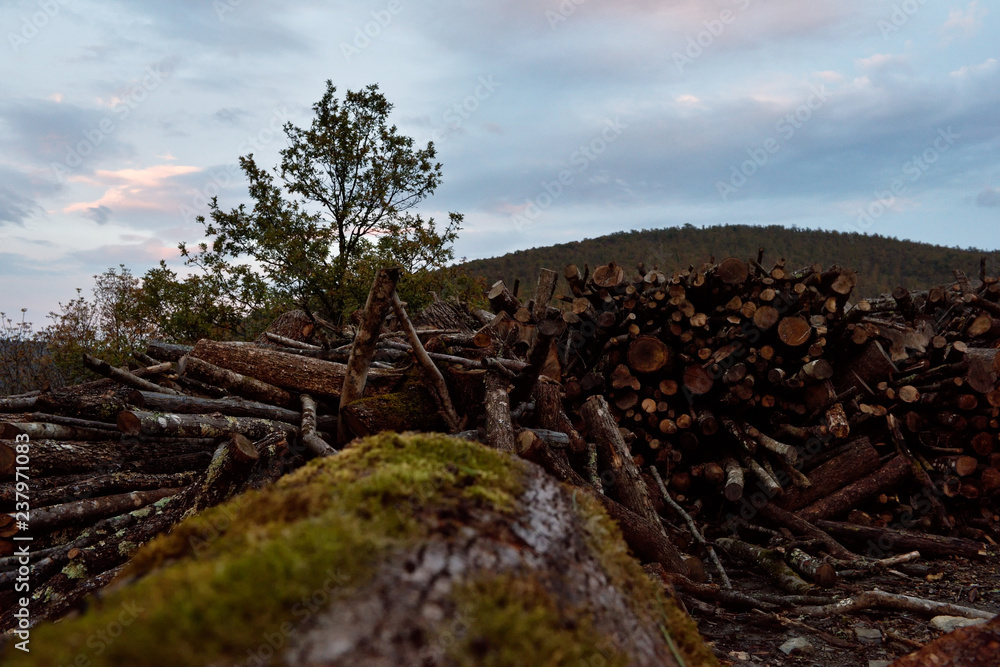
554, 120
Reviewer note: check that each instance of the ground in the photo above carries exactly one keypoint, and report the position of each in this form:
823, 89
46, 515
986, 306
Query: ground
744, 639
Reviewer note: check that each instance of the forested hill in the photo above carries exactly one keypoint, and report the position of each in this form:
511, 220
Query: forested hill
882, 263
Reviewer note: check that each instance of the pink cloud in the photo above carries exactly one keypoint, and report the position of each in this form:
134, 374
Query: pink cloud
130, 188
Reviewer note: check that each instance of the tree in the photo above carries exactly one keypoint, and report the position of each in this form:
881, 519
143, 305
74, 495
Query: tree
342, 196
112, 326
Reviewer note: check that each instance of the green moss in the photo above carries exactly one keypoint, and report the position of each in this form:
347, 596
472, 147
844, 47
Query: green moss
222, 579
605, 541
509, 618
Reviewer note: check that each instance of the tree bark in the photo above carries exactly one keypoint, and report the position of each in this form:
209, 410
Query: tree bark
431, 375
310, 439
237, 383
885, 479
136, 422
123, 377
615, 456
316, 377
499, 428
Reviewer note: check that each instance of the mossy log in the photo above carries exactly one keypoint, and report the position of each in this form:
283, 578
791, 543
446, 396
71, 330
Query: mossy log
69, 571
400, 550
411, 408
769, 561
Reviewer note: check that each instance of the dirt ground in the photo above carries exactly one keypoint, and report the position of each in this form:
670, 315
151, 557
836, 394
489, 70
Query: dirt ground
867, 638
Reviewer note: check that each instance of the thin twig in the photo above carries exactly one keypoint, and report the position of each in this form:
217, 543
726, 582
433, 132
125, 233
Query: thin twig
692, 527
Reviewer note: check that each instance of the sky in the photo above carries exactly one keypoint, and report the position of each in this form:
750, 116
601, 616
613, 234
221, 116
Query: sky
554, 120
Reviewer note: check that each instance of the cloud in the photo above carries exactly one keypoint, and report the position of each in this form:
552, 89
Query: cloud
965, 23
41, 132
989, 198
140, 253
14, 208
152, 188
99, 214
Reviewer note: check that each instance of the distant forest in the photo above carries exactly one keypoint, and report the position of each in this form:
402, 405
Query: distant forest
882, 263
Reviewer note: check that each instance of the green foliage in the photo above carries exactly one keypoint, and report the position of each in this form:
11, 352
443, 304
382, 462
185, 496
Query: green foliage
194, 308
111, 326
882, 263
345, 180
24, 363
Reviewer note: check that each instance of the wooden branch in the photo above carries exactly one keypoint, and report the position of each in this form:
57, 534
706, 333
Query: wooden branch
310, 439
44, 519
615, 456
231, 405
123, 377
237, 383
882, 540
543, 293
290, 342
769, 561
883, 600
376, 308
799, 526
432, 376
692, 528
39, 431
166, 351
512, 365
18, 404
499, 428
136, 422
646, 539
552, 416
887, 478
294, 372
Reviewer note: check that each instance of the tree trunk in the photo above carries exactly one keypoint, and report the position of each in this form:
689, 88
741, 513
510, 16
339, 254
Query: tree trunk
499, 429
136, 422
614, 455
316, 377
237, 383
363, 349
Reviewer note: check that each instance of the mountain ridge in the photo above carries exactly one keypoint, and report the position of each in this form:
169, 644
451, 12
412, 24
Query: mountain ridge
882, 262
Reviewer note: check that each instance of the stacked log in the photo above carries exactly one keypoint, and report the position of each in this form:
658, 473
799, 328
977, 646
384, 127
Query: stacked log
744, 385
763, 397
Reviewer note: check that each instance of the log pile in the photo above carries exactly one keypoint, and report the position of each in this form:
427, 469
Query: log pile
745, 399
